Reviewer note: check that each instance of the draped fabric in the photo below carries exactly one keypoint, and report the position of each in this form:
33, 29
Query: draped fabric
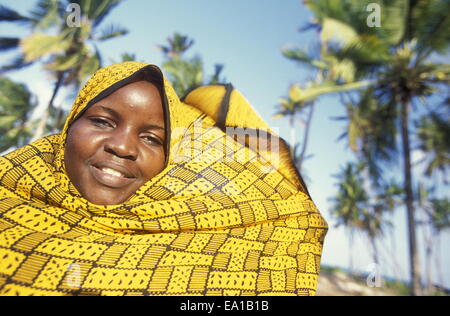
229, 214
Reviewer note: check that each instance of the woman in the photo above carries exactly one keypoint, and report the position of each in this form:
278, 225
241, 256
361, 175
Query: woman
142, 194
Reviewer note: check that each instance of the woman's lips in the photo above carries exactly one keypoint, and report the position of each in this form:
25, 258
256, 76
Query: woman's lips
108, 179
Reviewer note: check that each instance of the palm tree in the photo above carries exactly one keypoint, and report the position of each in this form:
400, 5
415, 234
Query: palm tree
356, 209
12, 43
434, 137
439, 213
433, 133
327, 72
371, 131
69, 53
350, 201
395, 59
437, 218
178, 45
16, 103
186, 74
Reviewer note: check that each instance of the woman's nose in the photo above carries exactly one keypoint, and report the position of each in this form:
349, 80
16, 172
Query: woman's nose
122, 145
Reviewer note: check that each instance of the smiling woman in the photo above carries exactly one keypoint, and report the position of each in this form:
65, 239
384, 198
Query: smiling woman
117, 144
144, 194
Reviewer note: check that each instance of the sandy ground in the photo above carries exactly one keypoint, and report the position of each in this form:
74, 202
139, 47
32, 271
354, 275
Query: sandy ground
340, 284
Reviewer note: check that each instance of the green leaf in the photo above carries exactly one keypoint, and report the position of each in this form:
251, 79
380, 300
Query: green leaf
39, 45
313, 92
100, 9
88, 67
336, 30
343, 69
298, 55
395, 20
63, 63
13, 133
7, 121
353, 136
430, 23
47, 14
112, 31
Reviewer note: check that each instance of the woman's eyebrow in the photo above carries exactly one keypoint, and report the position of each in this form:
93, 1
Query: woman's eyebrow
151, 126
112, 111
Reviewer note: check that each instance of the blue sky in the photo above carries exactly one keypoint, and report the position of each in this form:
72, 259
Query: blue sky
246, 36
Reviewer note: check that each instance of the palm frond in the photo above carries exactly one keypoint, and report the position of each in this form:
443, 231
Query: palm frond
47, 13
395, 20
434, 140
298, 55
128, 57
112, 31
17, 63
215, 78
430, 23
7, 43
312, 92
90, 65
63, 63
335, 30
15, 108
39, 45
99, 9
9, 15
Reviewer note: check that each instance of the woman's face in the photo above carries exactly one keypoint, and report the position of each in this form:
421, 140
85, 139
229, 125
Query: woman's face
117, 144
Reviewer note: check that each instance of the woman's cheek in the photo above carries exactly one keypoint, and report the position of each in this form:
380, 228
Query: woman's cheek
83, 139
153, 163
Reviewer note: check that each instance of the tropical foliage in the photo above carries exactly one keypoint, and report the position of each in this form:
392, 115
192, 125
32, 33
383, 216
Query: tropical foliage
16, 104
297, 111
434, 136
69, 52
356, 209
391, 70
185, 73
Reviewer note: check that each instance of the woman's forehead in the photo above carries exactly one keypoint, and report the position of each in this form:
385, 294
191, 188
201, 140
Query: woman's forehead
136, 99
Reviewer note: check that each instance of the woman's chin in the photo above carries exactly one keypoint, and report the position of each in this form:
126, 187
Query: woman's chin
104, 197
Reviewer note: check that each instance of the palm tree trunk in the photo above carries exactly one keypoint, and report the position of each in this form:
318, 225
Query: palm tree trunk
350, 246
375, 253
438, 260
305, 138
428, 257
409, 198
42, 123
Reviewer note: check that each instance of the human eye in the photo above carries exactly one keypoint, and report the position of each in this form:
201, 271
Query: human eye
100, 122
152, 140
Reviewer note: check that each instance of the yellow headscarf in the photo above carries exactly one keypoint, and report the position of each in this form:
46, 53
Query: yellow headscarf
229, 215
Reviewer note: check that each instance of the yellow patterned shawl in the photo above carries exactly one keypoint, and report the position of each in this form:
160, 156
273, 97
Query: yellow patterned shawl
227, 216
